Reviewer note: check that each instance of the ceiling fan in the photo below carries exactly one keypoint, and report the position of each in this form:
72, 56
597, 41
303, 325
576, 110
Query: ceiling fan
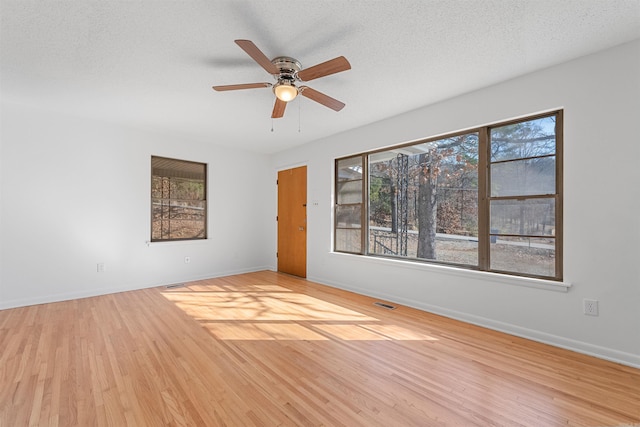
288, 75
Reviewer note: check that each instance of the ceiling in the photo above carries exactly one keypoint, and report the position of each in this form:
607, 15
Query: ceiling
151, 64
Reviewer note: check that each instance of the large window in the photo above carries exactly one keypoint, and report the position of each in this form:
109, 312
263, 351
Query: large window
178, 200
486, 199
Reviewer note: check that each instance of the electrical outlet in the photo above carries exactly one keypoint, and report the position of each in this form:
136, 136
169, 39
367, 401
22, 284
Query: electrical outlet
591, 307
100, 267
187, 260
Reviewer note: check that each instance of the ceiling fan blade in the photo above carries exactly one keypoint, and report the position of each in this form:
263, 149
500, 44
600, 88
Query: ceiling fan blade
332, 66
278, 109
321, 98
257, 55
241, 86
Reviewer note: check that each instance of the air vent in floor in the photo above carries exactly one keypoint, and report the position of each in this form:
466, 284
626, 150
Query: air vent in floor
384, 305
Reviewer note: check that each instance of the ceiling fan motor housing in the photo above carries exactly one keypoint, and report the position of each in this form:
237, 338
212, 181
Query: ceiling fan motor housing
288, 67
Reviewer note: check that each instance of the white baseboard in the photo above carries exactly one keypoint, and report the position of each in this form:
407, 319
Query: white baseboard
612, 355
66, 296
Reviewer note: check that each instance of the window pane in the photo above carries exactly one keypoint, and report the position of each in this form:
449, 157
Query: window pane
178, 199
178, 229
348, 216
349, 192
348, 210
423, 200
523, 157
524, 177
382, 241
522, 140
187, 189
157, 186
350, 169
348, 240
178, 220
457, 249
532, 256
173, 168
533, 217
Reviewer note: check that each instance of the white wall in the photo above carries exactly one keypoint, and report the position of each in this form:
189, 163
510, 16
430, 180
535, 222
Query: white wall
75, 193
600, 95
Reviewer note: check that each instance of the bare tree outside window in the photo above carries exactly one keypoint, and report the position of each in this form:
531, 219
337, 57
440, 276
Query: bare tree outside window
423, 201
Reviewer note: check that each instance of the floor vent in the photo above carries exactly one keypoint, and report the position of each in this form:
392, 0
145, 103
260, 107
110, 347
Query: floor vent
383, 305
177, 285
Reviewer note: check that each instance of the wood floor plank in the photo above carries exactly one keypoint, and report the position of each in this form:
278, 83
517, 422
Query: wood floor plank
267, 349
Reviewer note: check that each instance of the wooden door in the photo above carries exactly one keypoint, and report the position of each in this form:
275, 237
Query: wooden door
292, 221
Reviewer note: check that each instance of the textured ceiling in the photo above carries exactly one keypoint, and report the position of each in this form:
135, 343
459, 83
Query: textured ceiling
151, 64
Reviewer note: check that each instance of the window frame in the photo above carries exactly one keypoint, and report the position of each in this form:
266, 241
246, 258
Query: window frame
484, 197
364, 201
557, 196
204, 200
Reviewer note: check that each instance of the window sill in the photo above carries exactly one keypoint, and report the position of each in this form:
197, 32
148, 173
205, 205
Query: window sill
530, 282
149, 243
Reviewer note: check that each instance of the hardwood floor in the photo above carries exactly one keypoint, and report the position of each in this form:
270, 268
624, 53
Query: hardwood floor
268, 349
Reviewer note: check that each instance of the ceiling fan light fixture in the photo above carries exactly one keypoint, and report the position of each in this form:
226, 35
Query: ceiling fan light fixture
285, 90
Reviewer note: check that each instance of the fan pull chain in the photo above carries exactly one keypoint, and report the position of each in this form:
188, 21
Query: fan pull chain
299, 108
271, 124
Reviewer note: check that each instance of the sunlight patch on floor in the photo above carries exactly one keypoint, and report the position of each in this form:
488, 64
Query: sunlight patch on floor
263, 331
351, 333
265, 306
271, 312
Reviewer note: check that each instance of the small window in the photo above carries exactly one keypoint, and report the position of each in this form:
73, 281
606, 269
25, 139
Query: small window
178, 200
